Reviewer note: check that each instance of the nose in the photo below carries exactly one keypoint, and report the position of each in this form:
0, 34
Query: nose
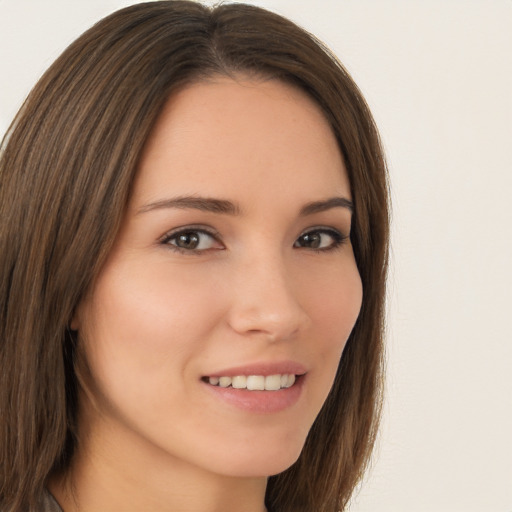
266, 300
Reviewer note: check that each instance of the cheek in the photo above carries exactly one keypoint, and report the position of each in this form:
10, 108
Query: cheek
335, 304
142, 327
334, 309
152, 301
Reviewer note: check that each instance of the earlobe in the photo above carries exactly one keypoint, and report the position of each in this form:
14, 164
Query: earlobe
76, 319
74, 324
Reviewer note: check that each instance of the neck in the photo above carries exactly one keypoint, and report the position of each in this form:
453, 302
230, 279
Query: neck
132, 475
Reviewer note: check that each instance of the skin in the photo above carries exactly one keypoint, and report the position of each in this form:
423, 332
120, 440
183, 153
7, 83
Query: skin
153, 436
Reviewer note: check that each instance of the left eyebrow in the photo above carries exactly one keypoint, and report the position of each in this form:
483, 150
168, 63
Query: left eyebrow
205, 204
322, 206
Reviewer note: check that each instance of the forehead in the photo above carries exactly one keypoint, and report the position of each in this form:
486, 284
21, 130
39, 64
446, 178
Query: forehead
241, 138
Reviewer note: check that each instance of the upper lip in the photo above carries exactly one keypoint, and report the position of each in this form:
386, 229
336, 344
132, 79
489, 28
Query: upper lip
262, 368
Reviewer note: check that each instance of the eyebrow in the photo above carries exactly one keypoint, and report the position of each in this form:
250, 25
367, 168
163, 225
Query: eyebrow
322, 206
205, 204
223, 206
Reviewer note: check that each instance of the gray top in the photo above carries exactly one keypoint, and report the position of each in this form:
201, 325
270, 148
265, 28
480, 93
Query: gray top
49, 503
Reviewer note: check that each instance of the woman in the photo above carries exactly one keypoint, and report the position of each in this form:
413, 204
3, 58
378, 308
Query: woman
193, 211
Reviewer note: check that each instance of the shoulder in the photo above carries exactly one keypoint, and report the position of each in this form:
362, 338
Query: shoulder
48, 503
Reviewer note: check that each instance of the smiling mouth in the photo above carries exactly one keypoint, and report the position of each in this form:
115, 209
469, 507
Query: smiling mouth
254, 382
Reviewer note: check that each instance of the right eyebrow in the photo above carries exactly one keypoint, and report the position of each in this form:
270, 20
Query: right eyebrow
205, 204
322, 206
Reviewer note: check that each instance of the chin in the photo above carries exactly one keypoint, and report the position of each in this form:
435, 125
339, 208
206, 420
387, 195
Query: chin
260, 460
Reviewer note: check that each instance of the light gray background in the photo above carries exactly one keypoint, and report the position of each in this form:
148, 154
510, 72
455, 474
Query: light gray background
438, 77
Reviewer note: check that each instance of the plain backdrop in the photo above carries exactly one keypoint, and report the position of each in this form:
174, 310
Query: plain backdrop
438, 77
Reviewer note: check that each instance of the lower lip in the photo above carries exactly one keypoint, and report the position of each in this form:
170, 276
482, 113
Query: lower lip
260, 402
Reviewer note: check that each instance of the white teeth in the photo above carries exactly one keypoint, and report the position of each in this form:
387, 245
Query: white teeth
273, 382
224, 382
239, 382
255, 382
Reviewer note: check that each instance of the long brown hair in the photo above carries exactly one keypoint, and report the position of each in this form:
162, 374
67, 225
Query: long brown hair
66, 169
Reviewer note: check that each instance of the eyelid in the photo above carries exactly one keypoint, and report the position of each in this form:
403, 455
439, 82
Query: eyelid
326, 229
322, 227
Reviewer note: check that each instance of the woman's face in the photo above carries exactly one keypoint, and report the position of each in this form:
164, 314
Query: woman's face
233, 269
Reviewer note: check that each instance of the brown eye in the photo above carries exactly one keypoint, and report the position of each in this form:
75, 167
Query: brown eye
192, 240
320, 239
188, 240
311, 240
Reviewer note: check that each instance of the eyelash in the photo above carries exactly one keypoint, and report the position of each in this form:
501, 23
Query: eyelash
337, 237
